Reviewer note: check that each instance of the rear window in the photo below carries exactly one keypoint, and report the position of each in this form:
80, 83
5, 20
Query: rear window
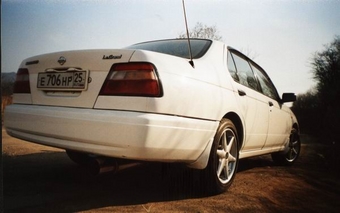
176, 47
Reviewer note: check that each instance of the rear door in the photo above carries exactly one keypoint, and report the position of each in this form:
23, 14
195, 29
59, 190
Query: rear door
279, 119
254, 108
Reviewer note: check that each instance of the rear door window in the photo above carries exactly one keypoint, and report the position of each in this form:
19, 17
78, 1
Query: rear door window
232, 68
244, 73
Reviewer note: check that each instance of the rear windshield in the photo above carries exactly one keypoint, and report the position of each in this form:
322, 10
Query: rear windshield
176, 47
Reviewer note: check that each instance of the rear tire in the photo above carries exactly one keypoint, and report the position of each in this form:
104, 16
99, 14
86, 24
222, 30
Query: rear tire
223, 160
291, 153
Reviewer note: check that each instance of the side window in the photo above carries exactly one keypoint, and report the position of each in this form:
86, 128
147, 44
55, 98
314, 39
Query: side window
267, 87
244, 72
232, 68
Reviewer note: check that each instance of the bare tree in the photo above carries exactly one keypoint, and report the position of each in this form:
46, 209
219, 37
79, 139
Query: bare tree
326, 70
318, 110
203, 31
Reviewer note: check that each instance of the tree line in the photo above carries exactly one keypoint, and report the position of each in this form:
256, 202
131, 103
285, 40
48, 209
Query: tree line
318, 110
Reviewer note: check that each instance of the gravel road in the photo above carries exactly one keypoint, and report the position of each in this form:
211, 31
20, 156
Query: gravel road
42, 179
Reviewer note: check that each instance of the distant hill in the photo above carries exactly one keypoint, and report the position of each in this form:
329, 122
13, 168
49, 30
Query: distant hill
7, 83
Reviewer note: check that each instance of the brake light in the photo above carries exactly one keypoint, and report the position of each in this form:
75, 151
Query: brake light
22, 82
132, 79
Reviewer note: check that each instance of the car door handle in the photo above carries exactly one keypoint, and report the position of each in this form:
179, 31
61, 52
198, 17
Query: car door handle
242, 93
270, 103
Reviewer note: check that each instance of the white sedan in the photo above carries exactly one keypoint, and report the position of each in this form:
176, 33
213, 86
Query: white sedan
146, 102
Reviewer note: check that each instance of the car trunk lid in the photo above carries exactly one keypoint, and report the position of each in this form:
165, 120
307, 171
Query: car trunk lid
71, 78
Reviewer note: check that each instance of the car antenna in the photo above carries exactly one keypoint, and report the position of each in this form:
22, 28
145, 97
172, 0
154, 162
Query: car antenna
191, 62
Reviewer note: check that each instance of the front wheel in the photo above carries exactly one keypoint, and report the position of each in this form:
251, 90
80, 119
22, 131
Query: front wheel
292, 151
223, 160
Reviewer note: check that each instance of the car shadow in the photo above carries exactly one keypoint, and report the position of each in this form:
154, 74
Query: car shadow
255, 162
50, 181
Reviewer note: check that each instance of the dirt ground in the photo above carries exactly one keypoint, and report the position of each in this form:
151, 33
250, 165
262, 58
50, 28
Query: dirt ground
43, 179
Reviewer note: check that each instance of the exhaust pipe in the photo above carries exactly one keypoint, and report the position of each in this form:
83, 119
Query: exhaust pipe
99, 166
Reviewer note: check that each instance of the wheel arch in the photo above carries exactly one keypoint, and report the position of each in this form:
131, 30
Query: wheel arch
296, 126
239, 126
202, 161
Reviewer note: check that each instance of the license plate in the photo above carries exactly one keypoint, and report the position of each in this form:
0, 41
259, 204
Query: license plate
72, 80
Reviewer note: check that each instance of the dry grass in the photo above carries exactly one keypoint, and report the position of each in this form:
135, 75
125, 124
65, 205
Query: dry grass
5, 100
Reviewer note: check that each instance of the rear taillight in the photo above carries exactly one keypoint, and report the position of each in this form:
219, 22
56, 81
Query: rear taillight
22, 82
132, 79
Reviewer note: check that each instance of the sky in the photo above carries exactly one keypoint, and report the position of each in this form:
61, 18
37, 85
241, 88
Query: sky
282, 36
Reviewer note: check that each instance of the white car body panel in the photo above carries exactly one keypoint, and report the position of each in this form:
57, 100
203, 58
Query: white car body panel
22, 98
196, 91
252, 111
177, 127
123, 134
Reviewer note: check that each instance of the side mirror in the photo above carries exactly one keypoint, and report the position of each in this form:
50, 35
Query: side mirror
288, 97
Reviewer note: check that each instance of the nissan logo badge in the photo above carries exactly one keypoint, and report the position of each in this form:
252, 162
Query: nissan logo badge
62, 60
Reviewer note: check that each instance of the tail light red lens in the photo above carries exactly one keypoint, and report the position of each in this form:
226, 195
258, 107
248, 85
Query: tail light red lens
132, 79
22, 82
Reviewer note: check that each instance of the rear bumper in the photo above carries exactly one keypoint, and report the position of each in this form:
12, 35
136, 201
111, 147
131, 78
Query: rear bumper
120, 134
